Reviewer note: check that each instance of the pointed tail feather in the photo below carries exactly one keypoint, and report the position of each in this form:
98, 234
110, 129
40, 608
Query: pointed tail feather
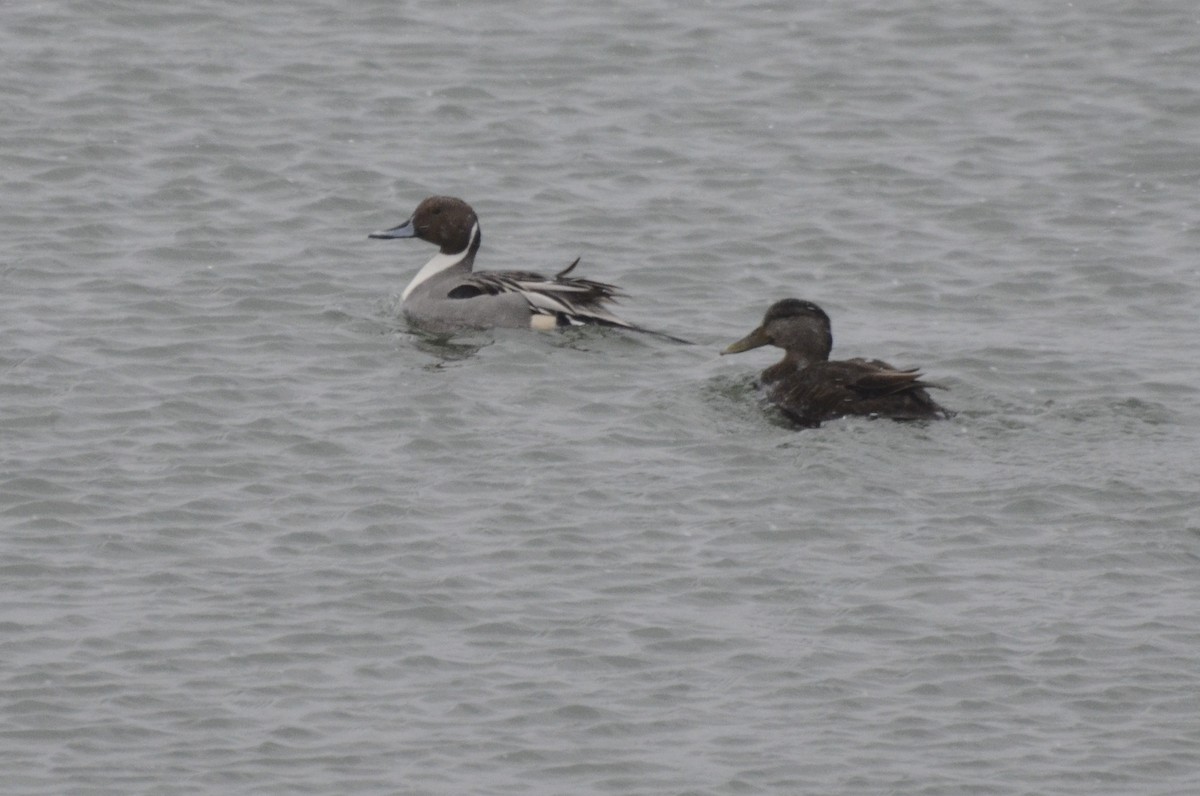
613, 322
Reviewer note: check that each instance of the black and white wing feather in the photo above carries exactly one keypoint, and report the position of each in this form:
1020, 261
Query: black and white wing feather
570, 301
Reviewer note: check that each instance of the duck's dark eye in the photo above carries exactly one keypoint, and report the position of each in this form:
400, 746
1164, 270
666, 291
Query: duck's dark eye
437, 211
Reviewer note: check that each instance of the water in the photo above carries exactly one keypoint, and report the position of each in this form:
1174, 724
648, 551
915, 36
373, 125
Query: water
256, 536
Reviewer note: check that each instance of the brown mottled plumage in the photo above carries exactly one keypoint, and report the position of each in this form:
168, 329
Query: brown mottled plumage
810, 389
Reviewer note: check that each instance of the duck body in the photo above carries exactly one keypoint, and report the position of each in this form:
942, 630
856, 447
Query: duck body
447, 294
829, 390
810, 388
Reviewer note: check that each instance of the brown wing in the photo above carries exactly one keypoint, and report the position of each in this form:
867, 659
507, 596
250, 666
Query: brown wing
827, 390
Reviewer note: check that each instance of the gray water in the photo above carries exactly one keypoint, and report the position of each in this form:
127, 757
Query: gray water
257, 536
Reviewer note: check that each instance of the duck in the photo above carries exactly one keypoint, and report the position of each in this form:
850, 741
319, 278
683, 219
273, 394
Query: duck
809, 388
447, 294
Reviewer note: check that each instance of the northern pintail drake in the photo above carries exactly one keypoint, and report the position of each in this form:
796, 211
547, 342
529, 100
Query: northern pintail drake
447, 294
811, 389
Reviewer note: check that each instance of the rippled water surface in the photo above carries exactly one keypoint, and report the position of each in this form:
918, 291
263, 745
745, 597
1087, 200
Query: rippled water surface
257, 536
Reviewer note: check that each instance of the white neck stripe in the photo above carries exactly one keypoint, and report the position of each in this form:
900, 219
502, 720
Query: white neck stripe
440, 262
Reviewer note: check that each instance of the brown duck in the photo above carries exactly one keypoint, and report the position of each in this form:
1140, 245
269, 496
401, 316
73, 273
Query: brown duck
810, 389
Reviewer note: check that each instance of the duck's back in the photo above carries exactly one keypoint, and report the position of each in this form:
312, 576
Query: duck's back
828, 390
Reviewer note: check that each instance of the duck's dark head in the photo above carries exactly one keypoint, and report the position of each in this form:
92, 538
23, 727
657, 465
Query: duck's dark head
799, 327
445, 221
